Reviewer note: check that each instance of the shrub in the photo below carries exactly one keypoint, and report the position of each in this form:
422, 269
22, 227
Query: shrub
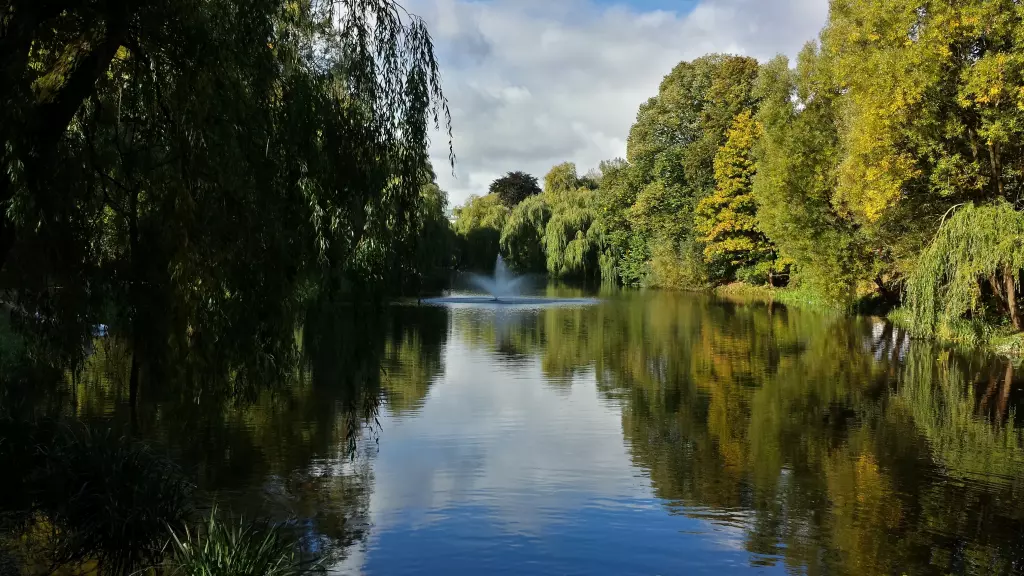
109, 499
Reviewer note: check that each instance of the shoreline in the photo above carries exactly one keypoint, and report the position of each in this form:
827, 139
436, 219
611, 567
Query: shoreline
991, 339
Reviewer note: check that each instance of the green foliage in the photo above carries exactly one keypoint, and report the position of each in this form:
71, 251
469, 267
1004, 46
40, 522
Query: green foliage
726, 219
572, 237
561, 179
479, 224
225, 548
193, 162
522, 237
794, 183
114, 500
977, 252
435, 241
673, 146
626, 249
514, 187
559, 230
831, 177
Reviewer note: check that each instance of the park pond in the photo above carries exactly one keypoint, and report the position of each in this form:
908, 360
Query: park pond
640, 432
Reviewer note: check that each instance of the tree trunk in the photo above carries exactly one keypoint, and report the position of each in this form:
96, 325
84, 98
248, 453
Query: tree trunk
43, 122
1010, 282
997, 177
135, 305
997, 289
884, 291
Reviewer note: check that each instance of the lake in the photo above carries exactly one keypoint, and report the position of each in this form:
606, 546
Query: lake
647, 433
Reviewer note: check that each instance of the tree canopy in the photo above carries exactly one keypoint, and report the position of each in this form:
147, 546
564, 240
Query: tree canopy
514, 187
182, 164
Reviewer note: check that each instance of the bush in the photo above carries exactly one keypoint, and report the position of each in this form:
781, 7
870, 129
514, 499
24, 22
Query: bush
756, 275
109, 500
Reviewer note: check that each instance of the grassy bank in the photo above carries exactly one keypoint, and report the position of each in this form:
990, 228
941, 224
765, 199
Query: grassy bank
998, 339
797, 297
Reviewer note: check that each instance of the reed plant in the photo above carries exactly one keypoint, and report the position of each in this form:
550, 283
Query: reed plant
222, 547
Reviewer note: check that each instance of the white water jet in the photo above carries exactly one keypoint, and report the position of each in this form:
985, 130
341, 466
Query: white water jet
503, 284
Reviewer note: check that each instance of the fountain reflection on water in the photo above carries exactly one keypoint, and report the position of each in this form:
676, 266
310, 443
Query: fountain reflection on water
505, 289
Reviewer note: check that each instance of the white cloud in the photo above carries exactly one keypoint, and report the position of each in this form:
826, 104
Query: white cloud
536, 82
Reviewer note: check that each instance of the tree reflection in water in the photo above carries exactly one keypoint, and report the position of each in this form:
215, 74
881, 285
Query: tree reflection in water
296, 450
838, 444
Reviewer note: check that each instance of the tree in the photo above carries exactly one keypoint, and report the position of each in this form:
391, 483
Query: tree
626, 249
795, 183
672, 145
168, 167
573, 238
726, 219
561, 179
928, 117
979, 250
430, 257
514, 187
479, 223
522, 237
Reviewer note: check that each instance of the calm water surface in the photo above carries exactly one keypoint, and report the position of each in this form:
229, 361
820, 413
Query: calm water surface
651, 433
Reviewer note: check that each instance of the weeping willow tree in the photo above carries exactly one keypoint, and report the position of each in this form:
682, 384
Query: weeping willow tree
971, 267
572, 240
558, 231
168, 168
478, 224
522, 237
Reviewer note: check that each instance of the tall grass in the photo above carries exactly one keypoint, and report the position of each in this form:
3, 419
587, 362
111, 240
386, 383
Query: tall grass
235, 548
796, 296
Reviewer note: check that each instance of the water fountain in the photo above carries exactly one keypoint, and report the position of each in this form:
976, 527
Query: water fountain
504, 289
503, 285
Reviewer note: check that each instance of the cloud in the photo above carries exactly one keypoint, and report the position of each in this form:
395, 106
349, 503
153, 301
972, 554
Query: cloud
533, 83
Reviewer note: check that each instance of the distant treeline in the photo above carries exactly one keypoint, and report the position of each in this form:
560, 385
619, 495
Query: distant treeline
887, 164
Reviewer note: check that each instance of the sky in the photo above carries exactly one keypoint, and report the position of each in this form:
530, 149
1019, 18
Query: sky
533, 83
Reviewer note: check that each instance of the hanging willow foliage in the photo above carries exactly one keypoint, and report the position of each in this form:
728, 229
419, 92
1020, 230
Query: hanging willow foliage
571, 239
191, 162
977, 251
522, 235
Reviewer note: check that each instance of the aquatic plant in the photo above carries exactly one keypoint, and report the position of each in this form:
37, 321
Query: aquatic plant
235, 548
